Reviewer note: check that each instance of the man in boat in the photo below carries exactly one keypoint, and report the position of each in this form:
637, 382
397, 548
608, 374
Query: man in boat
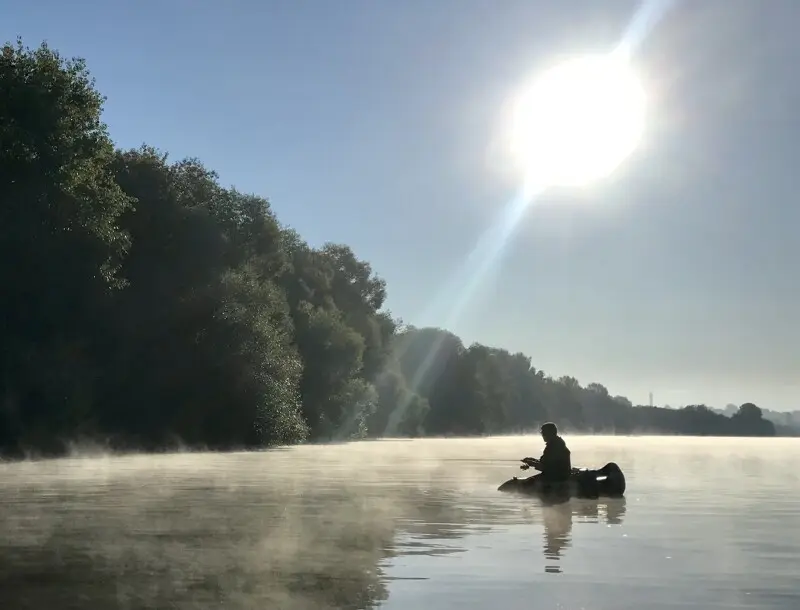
555, 465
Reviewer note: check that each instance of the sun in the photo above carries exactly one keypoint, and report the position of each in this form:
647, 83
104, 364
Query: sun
578, 121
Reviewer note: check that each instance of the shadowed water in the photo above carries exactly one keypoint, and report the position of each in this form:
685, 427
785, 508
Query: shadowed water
707, 523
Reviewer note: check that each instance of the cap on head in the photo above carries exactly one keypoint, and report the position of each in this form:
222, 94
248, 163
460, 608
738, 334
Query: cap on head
549, 430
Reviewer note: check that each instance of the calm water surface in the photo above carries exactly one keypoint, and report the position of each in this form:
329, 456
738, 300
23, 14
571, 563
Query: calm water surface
707, 523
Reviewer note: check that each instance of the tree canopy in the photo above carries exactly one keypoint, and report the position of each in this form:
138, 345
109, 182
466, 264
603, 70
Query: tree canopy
146, 305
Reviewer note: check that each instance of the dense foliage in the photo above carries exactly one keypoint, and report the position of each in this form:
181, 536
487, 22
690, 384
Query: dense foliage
146, 305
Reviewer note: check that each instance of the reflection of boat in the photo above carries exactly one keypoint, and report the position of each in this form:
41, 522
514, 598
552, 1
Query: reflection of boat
608, 481
558, 519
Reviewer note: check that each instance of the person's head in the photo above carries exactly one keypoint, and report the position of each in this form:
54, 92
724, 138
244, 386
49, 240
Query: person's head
549, 431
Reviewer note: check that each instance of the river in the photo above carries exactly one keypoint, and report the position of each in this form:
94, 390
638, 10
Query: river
706, 523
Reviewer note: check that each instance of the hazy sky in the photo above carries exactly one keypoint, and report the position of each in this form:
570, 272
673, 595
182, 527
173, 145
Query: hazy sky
375, 123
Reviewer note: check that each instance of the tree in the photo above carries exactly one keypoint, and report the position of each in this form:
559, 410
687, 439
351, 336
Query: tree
60, 243
210, 357
749, 421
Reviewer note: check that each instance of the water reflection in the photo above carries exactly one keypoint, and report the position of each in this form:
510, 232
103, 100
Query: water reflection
454, 522
558, 520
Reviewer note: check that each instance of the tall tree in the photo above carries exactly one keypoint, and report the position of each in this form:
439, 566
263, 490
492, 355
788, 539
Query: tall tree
60, 243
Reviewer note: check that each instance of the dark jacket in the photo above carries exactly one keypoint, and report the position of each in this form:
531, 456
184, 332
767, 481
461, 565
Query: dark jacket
555, 463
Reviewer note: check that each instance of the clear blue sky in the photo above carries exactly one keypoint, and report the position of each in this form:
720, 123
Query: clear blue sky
372, 122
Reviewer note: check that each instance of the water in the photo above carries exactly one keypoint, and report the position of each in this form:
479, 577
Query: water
707, 523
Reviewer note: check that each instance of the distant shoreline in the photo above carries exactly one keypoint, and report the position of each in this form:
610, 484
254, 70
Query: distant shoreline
97, 451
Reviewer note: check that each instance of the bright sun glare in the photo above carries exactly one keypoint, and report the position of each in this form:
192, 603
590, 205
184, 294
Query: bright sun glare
578, 121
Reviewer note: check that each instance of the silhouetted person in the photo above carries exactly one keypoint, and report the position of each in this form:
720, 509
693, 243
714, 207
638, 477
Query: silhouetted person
555, 465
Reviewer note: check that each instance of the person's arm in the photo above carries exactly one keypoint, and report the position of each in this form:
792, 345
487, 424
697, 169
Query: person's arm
529, 462
543, 462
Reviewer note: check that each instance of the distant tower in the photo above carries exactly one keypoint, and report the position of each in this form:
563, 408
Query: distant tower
651, 399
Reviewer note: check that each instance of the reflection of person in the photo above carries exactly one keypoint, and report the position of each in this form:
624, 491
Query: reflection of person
558, 519
555, 465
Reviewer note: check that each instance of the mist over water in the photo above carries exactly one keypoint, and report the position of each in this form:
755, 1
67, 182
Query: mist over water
706, 523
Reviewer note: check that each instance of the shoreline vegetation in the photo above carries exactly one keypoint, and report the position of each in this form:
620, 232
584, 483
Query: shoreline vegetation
146, 306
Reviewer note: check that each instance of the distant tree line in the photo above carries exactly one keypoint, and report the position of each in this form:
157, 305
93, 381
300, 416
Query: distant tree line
483, 390
146, 305
787, 423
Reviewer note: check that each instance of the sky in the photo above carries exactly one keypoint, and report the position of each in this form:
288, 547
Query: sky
377, 124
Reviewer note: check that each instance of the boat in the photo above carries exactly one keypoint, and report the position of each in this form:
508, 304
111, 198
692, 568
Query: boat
605, 482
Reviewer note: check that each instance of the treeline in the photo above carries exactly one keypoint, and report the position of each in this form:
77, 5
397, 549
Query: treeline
145, 305
483, 390
787, 423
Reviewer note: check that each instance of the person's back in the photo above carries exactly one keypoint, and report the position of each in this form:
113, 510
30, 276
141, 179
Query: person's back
556, 463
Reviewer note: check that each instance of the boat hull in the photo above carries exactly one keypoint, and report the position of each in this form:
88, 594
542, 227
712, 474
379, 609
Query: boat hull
606, 482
